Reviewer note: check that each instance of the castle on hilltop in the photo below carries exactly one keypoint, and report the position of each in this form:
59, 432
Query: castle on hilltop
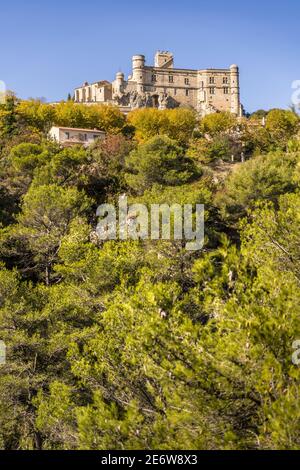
164, 86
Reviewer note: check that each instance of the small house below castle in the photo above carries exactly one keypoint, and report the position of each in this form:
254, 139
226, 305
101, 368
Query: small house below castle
67, 136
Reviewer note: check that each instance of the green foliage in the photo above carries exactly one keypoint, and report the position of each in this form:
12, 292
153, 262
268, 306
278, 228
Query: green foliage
259, 114
16, 174
221, 147
46, 215
143, 344
262, 178
8, 119
107, 161
282, 125
293, 145
160, 160
65, 168
261, 141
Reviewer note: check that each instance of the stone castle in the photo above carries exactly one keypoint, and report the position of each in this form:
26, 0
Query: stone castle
164, 86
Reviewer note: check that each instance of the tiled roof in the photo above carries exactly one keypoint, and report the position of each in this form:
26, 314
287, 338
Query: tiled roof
79, 129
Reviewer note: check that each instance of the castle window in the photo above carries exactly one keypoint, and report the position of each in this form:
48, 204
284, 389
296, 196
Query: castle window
226, 90
212, 90
175, 91
186, 81
211, 80
186, 92
171, 78
153, 78
225, 80
67, 135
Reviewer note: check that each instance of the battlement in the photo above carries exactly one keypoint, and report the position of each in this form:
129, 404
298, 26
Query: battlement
164, 59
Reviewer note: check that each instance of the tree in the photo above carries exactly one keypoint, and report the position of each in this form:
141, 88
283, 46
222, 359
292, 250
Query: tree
106, 164
65, 167
264, 177
161, 161
16, 174
260, 141
37, 115
46, 216
8, 116
181, 124
38, 325
142, 344
255, 320
19, 377
282, 125
259, 114
178, 124
221, 147
216, 123
104, 117
225, 382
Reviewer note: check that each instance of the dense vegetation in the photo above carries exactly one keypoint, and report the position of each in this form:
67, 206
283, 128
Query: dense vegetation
142, 344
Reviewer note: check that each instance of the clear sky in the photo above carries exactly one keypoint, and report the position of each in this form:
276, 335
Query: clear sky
50, 47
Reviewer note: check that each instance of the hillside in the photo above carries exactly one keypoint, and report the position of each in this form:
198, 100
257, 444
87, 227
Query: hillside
143, 344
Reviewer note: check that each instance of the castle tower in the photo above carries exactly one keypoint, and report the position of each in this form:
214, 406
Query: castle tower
119, 83
164, 59
138, 62
235, 90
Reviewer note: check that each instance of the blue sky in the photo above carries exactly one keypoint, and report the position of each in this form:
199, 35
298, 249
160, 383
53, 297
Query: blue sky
49, 48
